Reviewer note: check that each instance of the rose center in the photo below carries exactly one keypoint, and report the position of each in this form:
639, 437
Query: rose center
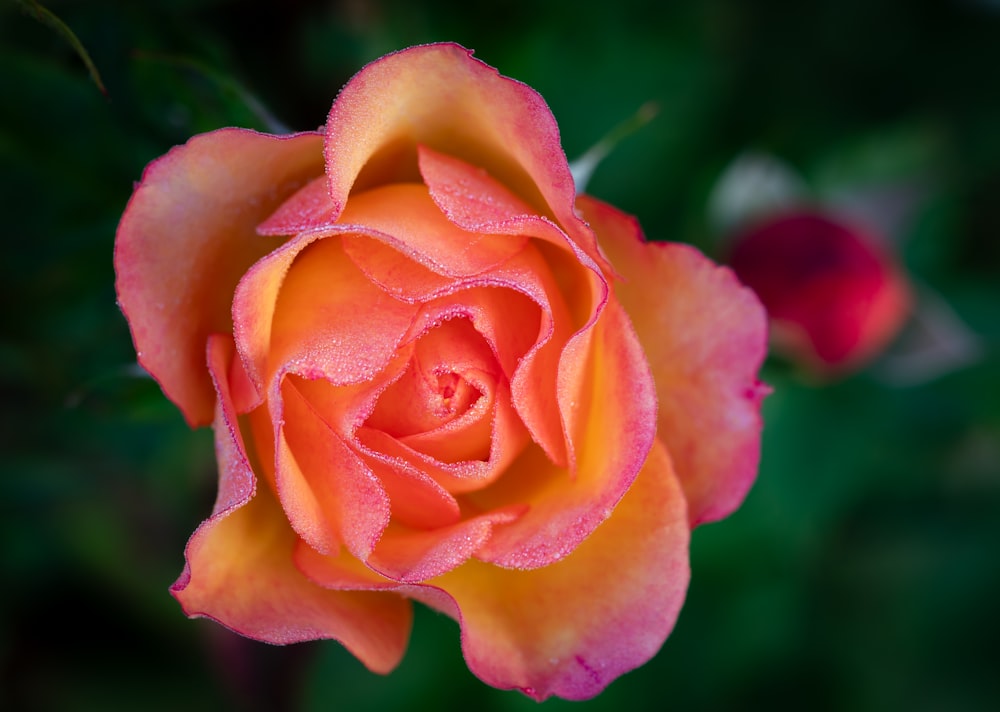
420, 402
453, 397
447, 385
442, 403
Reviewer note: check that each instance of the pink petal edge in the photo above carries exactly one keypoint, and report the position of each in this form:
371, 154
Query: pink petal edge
248, 540
185, 239
706, 337
571, 628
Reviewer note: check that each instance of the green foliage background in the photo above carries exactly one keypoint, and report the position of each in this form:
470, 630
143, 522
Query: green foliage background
863, 572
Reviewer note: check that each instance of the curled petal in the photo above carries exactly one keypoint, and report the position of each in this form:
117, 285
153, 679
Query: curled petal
329, 495
404, 555
527, 272
468, 195
509, 437
332, 322
570, 628
306, 309
416, 500
339, 571
405, 217
414, 555
509, 321
705, 337
187, 236
608, 396
439, 96
475, 201
247, 540
308, 208
442, 404
392, 271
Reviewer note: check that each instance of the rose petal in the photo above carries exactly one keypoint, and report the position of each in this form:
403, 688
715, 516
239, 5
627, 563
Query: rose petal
330, 321
705, 337
416, 499
308, 208
571, 628
607, 395
306, 309
328, 493
527, 272
467, 437
239, 569
404, 555
412, 556
187, 236
346, 407
508, 439
406, 218
509, 321
475, 201
339, 571
467, 194
439, 96
442, 406
392, 271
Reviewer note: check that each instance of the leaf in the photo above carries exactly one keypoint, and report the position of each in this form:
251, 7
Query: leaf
48, 18
583, 167
227, 84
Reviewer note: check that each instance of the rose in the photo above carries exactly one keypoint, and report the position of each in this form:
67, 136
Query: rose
433, 373
835, 296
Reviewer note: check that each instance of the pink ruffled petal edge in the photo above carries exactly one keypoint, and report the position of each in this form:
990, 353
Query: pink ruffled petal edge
607, 395
438, 95
706, 337
571, 628
185, 239
240, 570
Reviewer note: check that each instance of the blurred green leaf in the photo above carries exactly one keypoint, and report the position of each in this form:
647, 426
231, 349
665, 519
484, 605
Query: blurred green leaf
226, 83
38, 11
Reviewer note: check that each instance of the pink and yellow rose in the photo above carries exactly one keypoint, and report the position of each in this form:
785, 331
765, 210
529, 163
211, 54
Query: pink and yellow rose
437, 373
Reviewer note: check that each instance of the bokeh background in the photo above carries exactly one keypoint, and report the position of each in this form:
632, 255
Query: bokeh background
863, 572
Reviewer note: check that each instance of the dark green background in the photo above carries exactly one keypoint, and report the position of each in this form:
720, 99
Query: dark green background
863, 573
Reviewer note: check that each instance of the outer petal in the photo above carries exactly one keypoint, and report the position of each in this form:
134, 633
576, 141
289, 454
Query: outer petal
187, 236
705, 337
240, 568
571, 628
440, 96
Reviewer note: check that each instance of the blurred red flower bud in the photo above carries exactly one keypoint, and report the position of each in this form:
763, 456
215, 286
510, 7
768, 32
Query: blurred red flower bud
834, 294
